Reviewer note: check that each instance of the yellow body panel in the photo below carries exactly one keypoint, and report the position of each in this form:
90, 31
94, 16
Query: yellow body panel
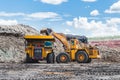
63, 40
72, 54
30, 48
38, 37
29, 51
46, 52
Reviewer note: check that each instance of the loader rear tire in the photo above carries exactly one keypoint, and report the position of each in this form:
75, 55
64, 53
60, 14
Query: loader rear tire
63, 58
81, 57
50, 58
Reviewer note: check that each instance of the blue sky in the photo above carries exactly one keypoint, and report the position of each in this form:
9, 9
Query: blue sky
81, 17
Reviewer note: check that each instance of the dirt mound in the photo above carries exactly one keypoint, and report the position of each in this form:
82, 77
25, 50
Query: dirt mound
109, 50
109, 54
12, 42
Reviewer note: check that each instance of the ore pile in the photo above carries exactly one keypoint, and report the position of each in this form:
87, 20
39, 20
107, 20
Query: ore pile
109, 54
12, 42
58, 47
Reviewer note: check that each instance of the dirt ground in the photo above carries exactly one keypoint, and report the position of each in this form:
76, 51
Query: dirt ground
70, 71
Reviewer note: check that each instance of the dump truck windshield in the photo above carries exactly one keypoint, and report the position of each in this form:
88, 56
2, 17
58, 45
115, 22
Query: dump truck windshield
48, 44
38, 43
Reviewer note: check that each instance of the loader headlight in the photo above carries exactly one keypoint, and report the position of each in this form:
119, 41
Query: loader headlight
98, 56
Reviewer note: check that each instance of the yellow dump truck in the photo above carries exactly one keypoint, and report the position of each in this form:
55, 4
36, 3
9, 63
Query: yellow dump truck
38, 47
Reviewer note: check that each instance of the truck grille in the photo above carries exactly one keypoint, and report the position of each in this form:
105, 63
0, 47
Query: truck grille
38, 53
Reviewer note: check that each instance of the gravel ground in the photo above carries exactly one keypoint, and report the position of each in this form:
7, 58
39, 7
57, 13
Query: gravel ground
71, 71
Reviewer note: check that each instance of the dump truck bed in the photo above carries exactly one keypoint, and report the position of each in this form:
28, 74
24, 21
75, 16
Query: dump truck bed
38, 37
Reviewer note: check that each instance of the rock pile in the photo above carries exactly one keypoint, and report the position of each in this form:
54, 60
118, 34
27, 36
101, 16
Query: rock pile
109, 54
17, 29
58, 47
12, 42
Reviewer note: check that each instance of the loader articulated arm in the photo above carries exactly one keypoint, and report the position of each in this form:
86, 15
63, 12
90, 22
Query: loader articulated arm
58, 36
63, 40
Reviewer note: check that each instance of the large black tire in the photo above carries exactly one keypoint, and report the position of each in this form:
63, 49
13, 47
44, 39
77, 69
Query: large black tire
81, 57
63, 58
89, 60
28, 59
50, 58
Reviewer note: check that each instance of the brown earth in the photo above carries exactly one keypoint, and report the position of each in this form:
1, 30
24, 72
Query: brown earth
71, 71
109, 50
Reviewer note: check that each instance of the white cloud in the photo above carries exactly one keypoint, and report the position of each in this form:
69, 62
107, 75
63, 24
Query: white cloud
87, 6
94, 13
38, 15
97, 28
5, 14
44, 15
114, 8
8, 22
67, 31
89, 0
56, 19
53, 2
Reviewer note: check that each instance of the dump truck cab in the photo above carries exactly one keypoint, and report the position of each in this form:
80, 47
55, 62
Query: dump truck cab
39, 47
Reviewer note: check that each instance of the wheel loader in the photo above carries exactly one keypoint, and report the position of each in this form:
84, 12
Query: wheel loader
75, 50
38, 47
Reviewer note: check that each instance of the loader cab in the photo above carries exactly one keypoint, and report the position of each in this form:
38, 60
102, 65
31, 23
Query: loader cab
74, 43
38, 47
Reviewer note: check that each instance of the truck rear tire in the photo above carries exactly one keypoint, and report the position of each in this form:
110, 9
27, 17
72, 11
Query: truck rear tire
50, 58
89, 60
81, 57
28, 59
62, 58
